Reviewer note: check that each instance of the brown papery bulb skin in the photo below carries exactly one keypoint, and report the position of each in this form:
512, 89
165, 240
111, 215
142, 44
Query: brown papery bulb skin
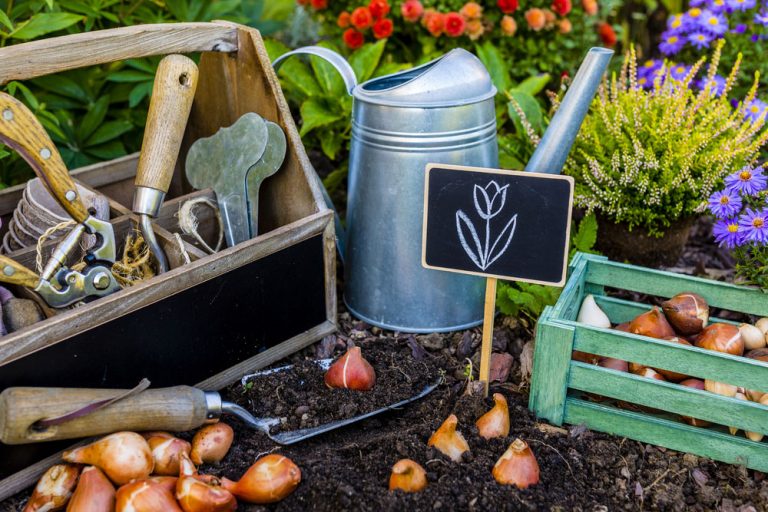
351, 371
123, 456
652, 324
517, 466
407, 476
614, 364
695, 384
668, 374
94, 492
211, 443
448, 441
758, 354
269, 480
720, 337
649, 373
687, 312
146, 496
54, 488
495, 423
202, 493
167, 452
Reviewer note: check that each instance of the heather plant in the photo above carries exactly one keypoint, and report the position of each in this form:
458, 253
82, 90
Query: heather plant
647, 157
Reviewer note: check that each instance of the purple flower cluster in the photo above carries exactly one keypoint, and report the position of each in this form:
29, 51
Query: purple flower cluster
648, 71
704, 22
740, 209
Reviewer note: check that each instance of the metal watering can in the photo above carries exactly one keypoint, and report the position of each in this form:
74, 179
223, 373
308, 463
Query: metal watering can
440, 112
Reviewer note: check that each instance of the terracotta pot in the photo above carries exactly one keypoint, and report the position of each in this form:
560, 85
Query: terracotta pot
638, 247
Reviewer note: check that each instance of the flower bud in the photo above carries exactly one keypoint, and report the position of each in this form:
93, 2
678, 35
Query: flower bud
517, 466
687, 312
720, 337
407, 476
652, 324
495, 423
448, 441
351, 371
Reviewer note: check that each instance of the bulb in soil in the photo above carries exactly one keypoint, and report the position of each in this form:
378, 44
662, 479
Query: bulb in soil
54, 488
351, 371
202, 493
695, 384
724, 338
211, 443
448, 440
268, 480
146, 496
591, 314
495, 423
94, 492
687, 312
517, 466
407, 476
123, 456
752, 336
167, 452
652, 324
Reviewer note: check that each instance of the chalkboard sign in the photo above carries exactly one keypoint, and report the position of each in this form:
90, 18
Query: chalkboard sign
497, 223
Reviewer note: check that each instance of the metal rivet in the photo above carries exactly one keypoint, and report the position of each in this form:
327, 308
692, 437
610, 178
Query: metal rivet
9, 270
45, 153
71, 195
8, 114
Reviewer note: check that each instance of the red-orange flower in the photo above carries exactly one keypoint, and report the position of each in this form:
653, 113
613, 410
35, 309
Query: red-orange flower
302, 2
536, 18
382, 28
343, 21
434, 21
549, 18
475, 29
471, 10
562, 7
606, 33
319, 4
455, 24
353, 39
378, 8
361, 18
412, 10
508, 6
565, 26
590, 6
508, 26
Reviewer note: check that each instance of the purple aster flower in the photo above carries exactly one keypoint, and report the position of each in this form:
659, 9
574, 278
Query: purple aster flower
739, 29
754, 38
761, 18
671, 43
699, 39
728, 233
679, 71
697, 3
718, 6
754, 225
747, 181
649, 68
754, 110
724, 204
693, 17
715, 24
741, 5
716, 85
675, 22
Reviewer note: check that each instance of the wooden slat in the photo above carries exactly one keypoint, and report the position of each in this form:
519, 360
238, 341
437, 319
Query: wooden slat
47, 56
676, 436
568, 303
749, 416
554, 345
688, 360
620, 310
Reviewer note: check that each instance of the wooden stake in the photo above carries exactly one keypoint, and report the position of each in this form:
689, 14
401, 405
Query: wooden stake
488, 316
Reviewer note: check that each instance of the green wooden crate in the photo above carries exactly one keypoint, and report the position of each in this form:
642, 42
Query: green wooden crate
559, 383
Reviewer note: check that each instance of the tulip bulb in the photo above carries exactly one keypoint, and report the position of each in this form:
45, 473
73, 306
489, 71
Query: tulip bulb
202, 493
614, 364
94, 492
448, 441
758, 354
757, 436
762, 324
54, 488
517, 466
495, 423
752, 336
591, 314
351, 371
167, 482
720, 388
268, 480
652, 324
738, 396
167, 452
648, 373
407, 476
724, 338
669, 374
123, 456
146, 496
687, 312
695, 384
211, 443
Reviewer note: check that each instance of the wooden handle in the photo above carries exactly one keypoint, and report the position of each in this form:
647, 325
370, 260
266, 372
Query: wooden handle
176, 409
172, 95
20, 129
12, 272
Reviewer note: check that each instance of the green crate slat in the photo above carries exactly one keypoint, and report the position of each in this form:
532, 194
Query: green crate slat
666, 284
688, 360
670, 397
676, 436
550, 370
620, 310
569, 302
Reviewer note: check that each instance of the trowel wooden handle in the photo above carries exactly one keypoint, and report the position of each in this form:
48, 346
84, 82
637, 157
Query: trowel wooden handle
176, 409
172, 95
12, 272
20, 129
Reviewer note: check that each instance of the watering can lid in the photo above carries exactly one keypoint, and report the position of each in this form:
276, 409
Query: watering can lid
456, 78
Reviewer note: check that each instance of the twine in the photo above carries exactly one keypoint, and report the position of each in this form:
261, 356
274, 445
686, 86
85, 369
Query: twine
45, 236
188, 222
135, 265
182, 248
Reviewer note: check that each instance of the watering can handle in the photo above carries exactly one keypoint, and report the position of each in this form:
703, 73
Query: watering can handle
330, 56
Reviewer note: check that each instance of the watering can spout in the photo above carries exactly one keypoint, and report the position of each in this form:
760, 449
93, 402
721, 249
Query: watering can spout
552, 151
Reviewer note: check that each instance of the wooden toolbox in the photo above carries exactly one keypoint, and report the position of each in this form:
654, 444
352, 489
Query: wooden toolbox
206, 322
559, 383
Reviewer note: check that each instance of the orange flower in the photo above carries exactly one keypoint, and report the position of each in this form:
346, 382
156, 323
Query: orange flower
361, 18
535, 18
590, 6
382, 28
455, 24
562, 7
343, 21
434, 21
302, 2
565, 26
606, 33
412, 10
508, 26
475, 29
471, 10
550, 18
353, 39
378, 8
319, 4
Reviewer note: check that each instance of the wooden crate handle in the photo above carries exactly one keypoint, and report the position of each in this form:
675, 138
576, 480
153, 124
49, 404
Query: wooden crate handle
48, 56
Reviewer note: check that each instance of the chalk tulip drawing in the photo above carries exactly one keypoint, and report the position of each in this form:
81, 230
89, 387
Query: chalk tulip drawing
488, 207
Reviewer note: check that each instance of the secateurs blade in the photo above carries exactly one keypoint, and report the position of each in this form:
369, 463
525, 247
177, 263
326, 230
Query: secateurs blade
20, 130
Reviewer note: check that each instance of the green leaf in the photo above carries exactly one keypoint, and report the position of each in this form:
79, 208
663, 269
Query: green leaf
335, 179
299, 77
533, 85
366, 58
107, 151
327, 76
45, 23
6, 22
63, 86
3, 152
138, 93
585, 237
130, 75
145, 65
275, 48
314, 114
530, 108
330, 142
93, 118
496, 64
108, 131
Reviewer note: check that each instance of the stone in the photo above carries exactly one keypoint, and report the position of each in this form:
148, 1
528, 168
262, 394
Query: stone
432, 341
20, 313
500, 340
464, 349
501, 365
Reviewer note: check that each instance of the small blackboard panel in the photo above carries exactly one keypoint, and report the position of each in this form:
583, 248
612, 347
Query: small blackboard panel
497, 223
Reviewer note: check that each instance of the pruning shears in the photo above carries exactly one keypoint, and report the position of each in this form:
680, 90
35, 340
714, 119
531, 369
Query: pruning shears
58, 285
